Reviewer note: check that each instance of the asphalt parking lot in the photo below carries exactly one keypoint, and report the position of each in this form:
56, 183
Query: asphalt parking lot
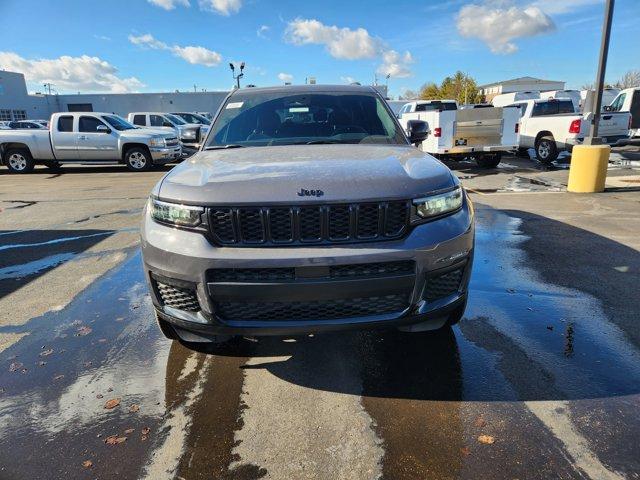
541, 379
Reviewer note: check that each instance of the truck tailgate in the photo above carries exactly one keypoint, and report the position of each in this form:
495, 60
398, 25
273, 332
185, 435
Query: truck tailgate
479, 126
614, 124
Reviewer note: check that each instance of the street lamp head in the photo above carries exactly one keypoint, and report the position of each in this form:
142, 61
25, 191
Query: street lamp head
231, 66
242, 66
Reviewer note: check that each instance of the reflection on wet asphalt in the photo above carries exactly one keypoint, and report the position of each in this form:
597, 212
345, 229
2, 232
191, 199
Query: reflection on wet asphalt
537, 367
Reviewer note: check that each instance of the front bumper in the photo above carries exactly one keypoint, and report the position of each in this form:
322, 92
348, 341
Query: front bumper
162, 155
186, 260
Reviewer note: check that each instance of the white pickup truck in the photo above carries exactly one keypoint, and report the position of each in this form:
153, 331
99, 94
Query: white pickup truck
628, 100
190, 134
87, 138
483, 134
551, 126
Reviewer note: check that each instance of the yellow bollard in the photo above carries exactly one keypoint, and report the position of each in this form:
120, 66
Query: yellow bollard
588, 170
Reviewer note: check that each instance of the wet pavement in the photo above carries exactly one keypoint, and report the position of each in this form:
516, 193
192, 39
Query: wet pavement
537, 381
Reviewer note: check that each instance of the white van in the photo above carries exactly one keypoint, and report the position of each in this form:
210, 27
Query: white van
505, 99
573, 95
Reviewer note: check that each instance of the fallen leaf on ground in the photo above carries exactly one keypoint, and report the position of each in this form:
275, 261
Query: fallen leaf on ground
143, 438
113, 403
114, 440
465, 451
82, 331
99, 395
146, 430
486, 439
129, 431
87, 464
480, 422
134, 408
47, 352
15, 366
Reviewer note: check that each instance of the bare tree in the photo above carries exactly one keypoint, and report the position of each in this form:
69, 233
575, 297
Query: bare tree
629, 80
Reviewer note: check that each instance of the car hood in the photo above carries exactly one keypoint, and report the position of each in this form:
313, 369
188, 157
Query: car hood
276, 174
146, 132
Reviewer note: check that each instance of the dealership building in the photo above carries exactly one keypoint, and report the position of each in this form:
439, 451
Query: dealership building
17, 104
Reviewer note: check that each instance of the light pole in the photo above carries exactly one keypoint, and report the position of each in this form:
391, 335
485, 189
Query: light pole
233, 73
593, 138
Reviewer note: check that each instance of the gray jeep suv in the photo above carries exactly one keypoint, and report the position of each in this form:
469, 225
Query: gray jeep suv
307, 210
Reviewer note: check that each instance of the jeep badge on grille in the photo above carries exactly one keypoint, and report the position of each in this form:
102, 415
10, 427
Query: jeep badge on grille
310, 193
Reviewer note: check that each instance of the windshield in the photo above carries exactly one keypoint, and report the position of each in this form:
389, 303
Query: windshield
175, 119
118, 123
194, 118
281, 118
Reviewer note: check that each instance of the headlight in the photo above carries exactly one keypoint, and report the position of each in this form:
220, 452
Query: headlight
156, 142
189, 134
175, 214
439, 204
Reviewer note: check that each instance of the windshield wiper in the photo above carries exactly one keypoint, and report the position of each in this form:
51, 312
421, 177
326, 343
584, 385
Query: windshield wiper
321, 142
218, 147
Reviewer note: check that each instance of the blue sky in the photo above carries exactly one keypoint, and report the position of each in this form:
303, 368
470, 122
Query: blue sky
163, 45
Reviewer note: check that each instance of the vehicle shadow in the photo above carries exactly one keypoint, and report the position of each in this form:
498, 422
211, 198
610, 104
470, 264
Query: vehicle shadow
84, 169
29, 254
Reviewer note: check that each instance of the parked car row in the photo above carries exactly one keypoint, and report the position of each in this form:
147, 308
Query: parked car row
549, 123
190, 134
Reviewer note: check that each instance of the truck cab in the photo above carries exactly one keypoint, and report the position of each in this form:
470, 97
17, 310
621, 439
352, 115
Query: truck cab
628, 100
190, 134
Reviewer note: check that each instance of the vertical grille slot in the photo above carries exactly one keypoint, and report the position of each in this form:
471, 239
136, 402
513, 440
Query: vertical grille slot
368, 220
281, 224
395, 218
222, 224
339, 222
310, 223
251, 225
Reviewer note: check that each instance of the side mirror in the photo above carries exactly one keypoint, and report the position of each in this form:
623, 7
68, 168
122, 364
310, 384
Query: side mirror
103, 129
417, 130
607, 108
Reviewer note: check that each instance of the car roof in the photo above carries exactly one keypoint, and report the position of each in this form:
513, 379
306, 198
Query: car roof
305, 89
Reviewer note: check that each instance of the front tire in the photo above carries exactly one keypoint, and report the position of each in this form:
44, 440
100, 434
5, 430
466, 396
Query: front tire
19, 160
546, 150
138, 159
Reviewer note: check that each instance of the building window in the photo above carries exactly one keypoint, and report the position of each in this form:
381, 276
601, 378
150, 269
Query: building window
5, 115
80, 107
19, 115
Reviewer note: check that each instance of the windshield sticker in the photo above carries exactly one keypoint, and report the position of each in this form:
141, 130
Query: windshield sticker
298, 109
234, 105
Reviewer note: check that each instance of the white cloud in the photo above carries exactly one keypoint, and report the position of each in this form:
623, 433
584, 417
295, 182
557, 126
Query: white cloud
263, 31
147, 40
84, 73
198, 55
223, 7
348, 79
341, 43
102, 37
497, 23
348, 44
285, 77
396, 64
169, 4
194, 55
